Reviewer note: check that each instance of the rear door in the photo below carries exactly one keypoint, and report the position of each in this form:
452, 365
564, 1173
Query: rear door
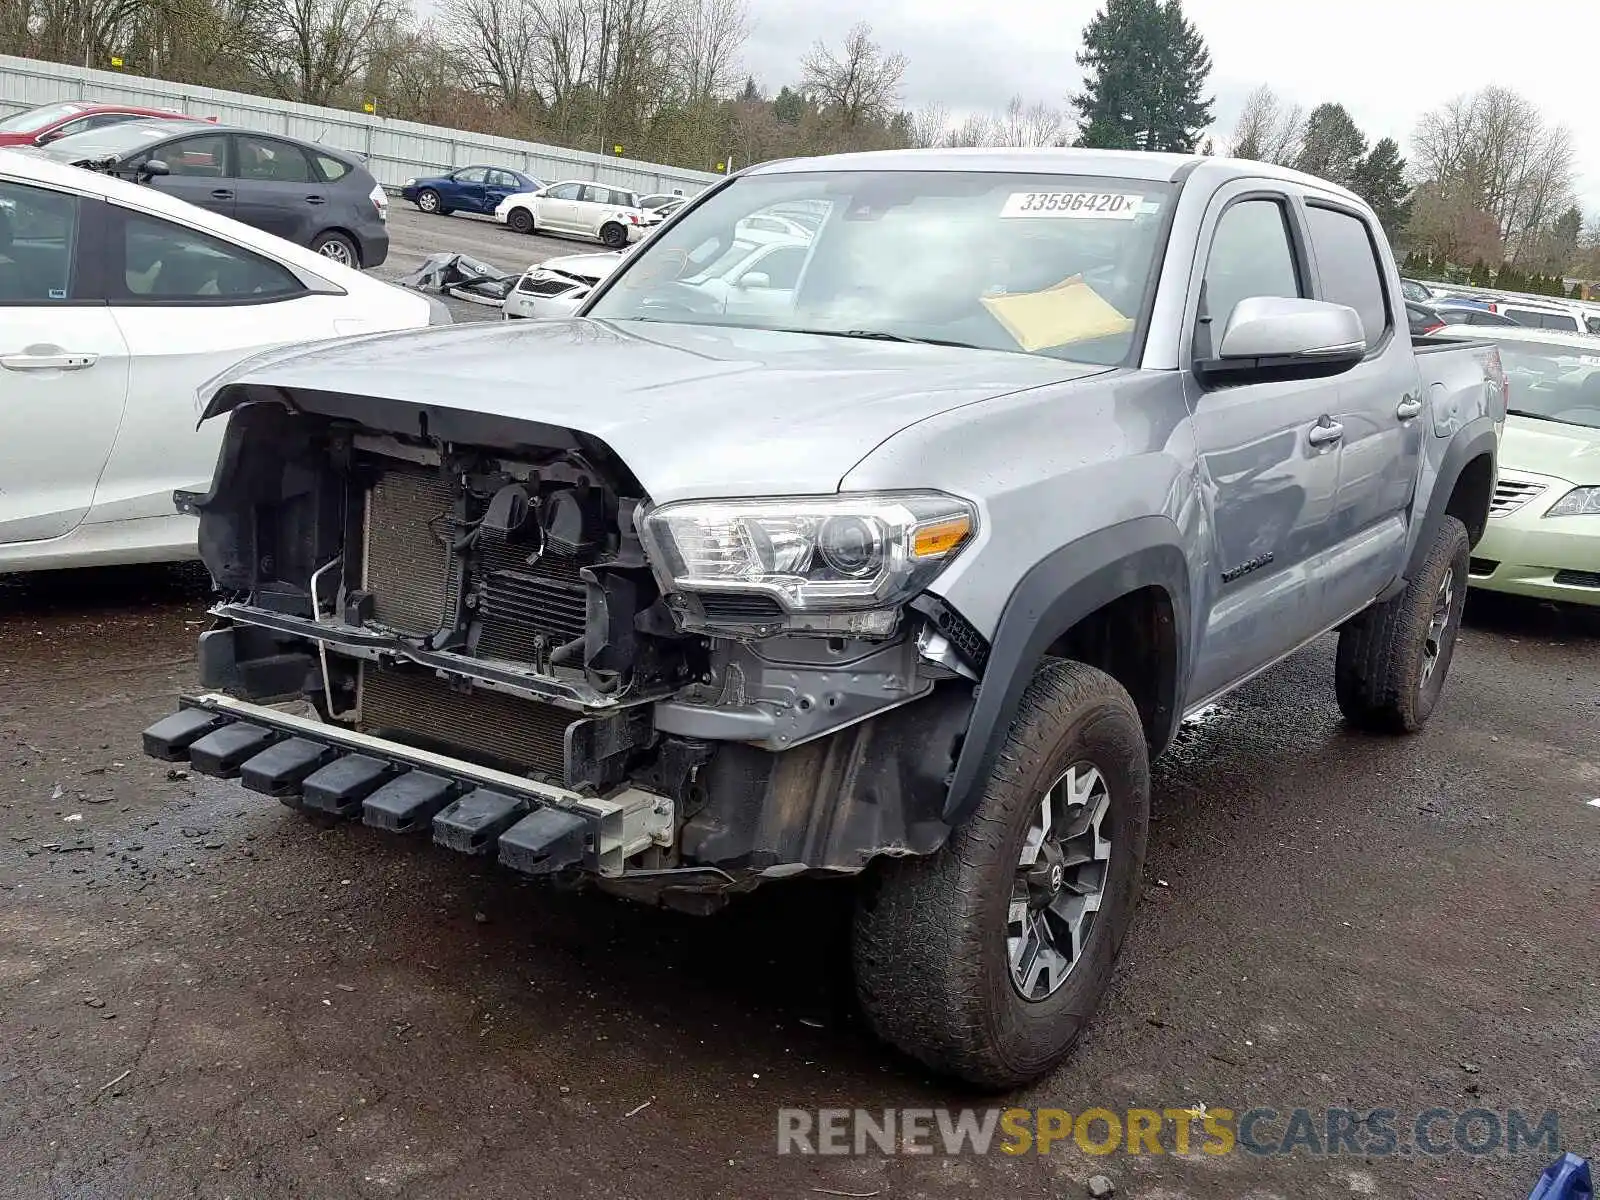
189, 304
63, 363
1380, 402
500, 184
197, 171
1270, 463
277, 189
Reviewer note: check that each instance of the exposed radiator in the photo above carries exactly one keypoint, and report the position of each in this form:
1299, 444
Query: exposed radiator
421, 709
526, 604
410, 571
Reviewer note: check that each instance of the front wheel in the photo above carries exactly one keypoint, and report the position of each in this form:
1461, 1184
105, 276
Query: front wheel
986, 960
520, 220
428, 202
1393, 658
339, 248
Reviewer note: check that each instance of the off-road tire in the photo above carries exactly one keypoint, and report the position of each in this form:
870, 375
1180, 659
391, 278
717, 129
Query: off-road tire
520, 220
929, 939
1379, 672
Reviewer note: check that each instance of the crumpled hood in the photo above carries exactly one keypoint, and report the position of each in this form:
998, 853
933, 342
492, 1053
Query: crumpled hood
1565, 451
694, 411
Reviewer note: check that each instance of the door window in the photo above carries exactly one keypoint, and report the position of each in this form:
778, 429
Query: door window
595, 194
1347, 267
1251, 255
166, 263
565, 191
38, 234
503, 179
271, 161
332, 168
470, 175
204, 156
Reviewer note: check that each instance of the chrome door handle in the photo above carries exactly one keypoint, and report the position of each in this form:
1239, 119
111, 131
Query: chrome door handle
47, 362
1325, 432
1410, 406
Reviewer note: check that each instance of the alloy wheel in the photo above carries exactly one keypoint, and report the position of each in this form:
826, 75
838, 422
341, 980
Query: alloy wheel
1439, 625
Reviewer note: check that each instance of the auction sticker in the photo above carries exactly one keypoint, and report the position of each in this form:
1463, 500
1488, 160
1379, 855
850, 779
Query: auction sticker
1104, 206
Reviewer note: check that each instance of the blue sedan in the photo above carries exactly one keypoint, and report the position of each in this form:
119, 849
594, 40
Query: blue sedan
470, 189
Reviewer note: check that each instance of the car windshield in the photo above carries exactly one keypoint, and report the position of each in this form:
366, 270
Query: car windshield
113, 141
35, 119
1553, 383
1045, 264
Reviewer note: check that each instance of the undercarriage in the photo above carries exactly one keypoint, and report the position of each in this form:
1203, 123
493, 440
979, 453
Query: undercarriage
492, 660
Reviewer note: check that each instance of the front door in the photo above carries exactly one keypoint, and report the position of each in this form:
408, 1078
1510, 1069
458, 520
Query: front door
559, 207
1268, 456
468, 189
63, 368
197, 171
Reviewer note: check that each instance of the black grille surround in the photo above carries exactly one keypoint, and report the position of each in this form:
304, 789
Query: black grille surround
1588, 579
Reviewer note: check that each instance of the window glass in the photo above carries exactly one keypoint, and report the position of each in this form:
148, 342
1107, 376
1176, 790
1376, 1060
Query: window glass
781, 266
595, 194
1250, 256
166, 262
271, 161
503, 179
38, 230
204, 156
565, 191
1347, 264
332, 168
35, 119
1553, 383
471, 175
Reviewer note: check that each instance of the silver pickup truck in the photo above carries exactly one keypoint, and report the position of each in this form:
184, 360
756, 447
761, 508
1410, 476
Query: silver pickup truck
894, 562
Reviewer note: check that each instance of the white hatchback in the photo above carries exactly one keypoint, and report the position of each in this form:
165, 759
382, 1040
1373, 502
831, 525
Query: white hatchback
116, 303
608, 215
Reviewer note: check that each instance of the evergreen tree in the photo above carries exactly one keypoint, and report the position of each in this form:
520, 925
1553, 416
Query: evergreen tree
1145, 69
1332, 147
1380, 180
789, 106
1480, 276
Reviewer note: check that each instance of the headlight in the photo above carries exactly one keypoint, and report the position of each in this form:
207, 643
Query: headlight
409, 183
838, 564
1579, 502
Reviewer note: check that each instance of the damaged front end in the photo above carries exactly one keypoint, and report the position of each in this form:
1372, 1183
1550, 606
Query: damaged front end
507, 645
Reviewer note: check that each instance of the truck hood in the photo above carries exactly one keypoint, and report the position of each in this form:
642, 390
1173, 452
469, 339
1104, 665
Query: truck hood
695, 411
1555, 448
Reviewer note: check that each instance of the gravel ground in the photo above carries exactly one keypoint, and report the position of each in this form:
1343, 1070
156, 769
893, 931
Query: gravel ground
205, 995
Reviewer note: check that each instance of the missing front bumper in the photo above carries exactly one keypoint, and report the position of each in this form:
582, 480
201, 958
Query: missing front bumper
530, 826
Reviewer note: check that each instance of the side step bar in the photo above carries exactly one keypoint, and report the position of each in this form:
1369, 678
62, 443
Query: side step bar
530, 826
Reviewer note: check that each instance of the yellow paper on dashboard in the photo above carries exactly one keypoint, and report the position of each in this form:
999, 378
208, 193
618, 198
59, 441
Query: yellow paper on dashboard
1067, 312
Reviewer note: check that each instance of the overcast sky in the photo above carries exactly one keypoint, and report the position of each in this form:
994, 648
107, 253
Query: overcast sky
1387, 61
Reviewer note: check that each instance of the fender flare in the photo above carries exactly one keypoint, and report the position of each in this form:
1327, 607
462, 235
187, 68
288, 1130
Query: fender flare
1053, 595
1476, 438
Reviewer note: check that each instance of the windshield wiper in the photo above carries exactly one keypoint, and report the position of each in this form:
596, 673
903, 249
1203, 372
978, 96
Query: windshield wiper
1522, 412
881, 335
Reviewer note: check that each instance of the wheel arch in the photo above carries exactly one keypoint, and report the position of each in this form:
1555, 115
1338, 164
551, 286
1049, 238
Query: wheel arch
1463, 488
346, 234
1118, 599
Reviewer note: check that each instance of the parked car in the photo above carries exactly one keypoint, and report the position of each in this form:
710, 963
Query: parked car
557, 286
660, 212
608, 215
660, 200
753, 594
1423, 319
316, 197
471, 189
1536, 314
1411, 289
1543, 535
116, 303
51, 122
1467, 312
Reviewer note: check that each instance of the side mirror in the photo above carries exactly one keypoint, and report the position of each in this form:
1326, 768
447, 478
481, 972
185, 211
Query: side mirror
152, 168
755, 279
1270, 338
44, 139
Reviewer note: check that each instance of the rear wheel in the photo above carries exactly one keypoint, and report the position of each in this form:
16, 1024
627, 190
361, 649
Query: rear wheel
1393, 658
339, 248
520, 220
986, 960
613, 235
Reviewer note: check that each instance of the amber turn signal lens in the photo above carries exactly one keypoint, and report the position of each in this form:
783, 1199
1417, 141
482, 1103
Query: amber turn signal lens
940, 537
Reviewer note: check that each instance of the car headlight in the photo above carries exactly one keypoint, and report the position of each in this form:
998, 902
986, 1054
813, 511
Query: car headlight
409, 183
836, 564
1579, 502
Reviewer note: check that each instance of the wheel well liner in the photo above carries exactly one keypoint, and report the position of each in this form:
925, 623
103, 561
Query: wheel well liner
1463, 488
1085, 598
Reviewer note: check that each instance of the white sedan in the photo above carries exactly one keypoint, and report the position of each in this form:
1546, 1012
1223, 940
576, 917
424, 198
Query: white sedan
555, 287
116, 303
608, 215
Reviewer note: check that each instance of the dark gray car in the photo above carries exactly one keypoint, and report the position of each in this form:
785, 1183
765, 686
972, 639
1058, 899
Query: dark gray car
317, 197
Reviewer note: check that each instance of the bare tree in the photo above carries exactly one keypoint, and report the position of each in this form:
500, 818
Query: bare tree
708, 36
929, 125
976, 129
859, 85
1030, 124
312, 49
1268, 130
498, 46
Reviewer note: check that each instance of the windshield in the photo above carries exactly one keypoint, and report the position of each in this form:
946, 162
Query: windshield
36, 119
1553, 383
113, 141
1042, 264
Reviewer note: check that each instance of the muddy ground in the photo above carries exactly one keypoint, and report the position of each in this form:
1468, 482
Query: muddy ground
204, 995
